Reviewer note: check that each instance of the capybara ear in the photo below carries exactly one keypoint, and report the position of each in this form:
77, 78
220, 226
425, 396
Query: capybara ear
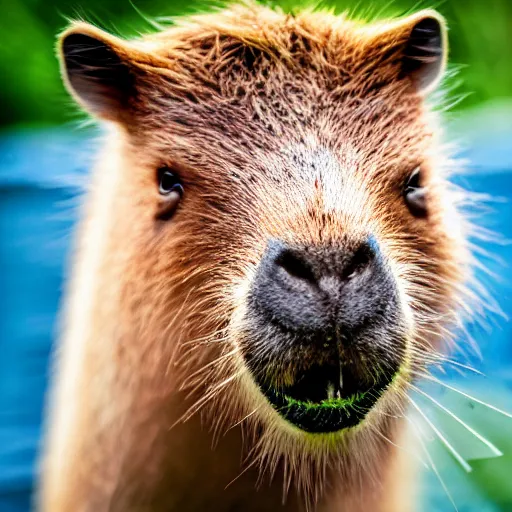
425, 53
419, 45
100, 70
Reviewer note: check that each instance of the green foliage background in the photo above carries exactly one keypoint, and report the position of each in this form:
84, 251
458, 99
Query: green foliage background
31, 91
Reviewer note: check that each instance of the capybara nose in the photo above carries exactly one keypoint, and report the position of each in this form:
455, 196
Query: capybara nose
321, 287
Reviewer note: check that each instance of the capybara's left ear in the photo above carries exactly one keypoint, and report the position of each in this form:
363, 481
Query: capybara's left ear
417, 44
425, 52
100, 70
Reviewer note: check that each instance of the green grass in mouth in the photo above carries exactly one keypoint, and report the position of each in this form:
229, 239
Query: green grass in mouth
328, 403
335, 403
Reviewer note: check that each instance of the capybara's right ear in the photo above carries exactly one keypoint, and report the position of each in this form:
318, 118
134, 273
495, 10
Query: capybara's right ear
99, 70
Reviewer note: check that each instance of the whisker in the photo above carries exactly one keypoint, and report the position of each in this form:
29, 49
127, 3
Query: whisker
430, 352
215, 361
436, 359
410, 452
432, 465
241, 473
443, 439
485, 441
472, 398
464, 366
244, 418
209, 338
205, 398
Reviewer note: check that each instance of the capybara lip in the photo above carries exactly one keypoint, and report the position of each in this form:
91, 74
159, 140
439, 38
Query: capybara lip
319, 401
324, 380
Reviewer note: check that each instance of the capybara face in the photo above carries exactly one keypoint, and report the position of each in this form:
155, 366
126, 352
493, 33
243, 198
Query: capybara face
283, 219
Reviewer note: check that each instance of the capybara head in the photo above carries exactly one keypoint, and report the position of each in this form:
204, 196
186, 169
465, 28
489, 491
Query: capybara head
285, 241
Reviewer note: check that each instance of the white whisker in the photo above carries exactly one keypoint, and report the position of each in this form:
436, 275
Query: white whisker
254, 411
201, 370
410, 452
443, 439
485, 441
472, 398
432, 465
205, 398
241, 473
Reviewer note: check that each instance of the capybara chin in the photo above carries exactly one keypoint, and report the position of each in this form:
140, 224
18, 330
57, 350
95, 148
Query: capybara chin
270, 255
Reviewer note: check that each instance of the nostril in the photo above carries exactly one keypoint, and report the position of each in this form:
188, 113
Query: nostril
294, 265
361, 259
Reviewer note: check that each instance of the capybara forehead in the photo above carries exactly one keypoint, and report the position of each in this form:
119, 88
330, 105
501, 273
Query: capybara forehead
388, 133
259, 80
245, 44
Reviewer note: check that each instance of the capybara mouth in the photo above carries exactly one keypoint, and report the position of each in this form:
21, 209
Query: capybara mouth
326, 398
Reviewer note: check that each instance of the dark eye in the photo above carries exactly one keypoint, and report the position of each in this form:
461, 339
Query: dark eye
171, 192
415, 194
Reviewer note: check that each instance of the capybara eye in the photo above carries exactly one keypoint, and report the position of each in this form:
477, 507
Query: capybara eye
415, 194
169, 182
171, 192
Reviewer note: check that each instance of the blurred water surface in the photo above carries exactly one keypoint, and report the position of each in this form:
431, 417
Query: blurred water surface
41, 178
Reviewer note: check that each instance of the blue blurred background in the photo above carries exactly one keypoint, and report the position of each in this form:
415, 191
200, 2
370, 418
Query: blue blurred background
44, 163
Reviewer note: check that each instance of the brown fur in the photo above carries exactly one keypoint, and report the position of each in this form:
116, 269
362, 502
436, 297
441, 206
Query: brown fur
150, 375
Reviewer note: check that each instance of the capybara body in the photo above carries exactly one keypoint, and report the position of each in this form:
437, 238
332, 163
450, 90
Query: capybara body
270, 254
